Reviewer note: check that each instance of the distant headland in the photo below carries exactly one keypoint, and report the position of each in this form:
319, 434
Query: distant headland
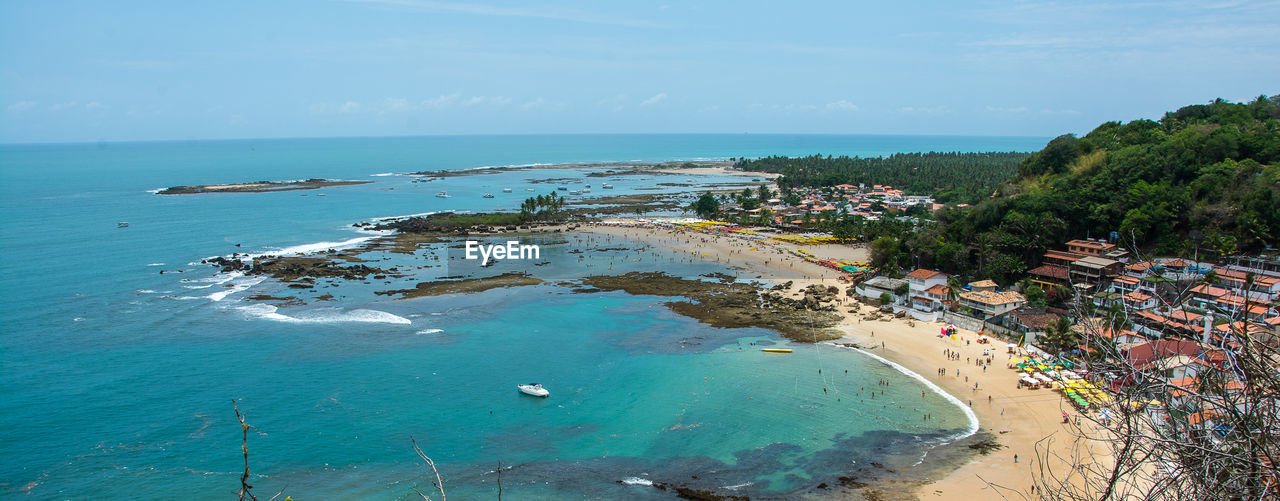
256, 187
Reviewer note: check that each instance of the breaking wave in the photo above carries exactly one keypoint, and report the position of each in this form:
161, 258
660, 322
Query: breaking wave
323, 315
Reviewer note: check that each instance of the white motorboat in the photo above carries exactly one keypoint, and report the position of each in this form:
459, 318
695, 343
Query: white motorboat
506, 190
533, 389
443, 194
488, 195
606, 186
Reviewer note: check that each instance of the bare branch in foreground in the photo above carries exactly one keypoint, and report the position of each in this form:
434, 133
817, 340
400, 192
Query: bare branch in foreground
438, 483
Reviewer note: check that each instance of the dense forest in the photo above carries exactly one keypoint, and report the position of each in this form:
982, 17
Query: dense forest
949, 177
1203, 180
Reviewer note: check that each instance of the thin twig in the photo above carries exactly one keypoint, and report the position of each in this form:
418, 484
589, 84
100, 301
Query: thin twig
245, 488
439, 483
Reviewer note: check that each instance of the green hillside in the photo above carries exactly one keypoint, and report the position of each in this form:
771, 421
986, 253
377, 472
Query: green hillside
1205, 177
949, 177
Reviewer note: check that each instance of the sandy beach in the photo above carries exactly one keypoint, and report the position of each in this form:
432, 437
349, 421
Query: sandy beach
719, 170
1018, 418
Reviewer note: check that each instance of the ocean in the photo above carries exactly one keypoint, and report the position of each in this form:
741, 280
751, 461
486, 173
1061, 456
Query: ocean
119, 379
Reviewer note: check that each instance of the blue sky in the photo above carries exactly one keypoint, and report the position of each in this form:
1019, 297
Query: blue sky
92, 71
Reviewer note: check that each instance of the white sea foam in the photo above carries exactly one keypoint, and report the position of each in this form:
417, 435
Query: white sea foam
324, 315
406, 216
236, 287
430, 331
739, 486
637, 481
145, 291
385, 174
218, 279
973, 418
156, 191
155, 264
314, 247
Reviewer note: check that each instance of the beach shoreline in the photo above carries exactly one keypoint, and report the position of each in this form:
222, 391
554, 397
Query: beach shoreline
1027, 423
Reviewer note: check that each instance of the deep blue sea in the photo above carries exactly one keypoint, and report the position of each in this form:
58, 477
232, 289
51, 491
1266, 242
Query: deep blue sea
118, 380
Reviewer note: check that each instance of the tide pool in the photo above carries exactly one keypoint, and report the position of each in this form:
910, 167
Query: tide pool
120, 378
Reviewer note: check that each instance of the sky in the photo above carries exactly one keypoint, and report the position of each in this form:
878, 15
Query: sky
135, 70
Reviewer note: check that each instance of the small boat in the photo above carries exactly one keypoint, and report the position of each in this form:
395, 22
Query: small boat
488, 195
533, 389
506, 190
575, 192
443, 194
776, 350
562, 188
586, 190
122, 224
528, 189
606, 186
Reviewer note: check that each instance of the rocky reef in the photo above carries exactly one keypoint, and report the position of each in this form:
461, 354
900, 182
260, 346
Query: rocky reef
466, 285
256, 187
732, 304
298, 268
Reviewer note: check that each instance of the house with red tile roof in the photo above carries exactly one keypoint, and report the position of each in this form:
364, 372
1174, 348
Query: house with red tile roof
1090, 247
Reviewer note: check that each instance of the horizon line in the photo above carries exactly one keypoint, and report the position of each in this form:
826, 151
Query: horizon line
496, 134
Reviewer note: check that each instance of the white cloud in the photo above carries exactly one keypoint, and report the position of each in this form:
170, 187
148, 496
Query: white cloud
22, 106
406, 105
842, 105
350, 107
657, 98
495, 101
534, 104
95, 106
441, 101
395, 104
616, 103
925, 109
543, 104
996, 109
63, 106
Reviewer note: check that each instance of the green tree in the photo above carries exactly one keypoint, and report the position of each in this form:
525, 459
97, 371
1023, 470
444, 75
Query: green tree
765, 193
1036, 297
1059, 337
885, 252
706, 206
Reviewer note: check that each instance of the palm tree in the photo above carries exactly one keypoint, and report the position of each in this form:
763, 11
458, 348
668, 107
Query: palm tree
1058, 337
954, 286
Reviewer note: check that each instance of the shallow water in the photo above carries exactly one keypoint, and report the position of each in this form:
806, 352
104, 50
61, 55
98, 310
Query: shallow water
120, 378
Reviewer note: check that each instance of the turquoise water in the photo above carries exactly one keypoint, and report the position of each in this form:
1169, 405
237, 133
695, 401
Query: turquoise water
119, 379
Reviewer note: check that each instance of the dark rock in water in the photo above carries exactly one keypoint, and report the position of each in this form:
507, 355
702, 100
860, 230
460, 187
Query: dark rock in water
684, 492
227, 265
256, 187
731, 305
468, 285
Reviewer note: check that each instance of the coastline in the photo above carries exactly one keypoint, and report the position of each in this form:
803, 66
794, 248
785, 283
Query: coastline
1018, 419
